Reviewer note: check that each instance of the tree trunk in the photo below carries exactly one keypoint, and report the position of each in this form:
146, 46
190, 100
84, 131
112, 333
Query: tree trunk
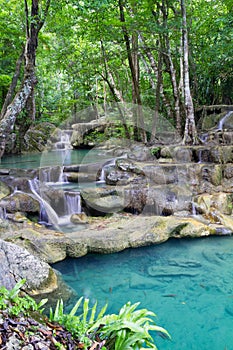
33, 25
171, 68
190, 133
117, 95
157, 98
154, 68
12, 87
132, 56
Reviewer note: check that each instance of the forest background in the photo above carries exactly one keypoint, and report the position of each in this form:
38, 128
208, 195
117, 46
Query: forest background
61, 57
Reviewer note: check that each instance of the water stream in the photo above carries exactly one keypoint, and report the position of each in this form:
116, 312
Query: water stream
223, 120
187, 283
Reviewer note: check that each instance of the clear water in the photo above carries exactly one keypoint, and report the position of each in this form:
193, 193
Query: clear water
195, 303
52, 158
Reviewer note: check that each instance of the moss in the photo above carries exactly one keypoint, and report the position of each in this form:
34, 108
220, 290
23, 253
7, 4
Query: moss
155, 151
217, 175
177, 230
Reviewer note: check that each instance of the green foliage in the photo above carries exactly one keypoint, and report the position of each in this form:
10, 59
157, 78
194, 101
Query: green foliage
15, 304
155, 151
82, 46
129, 330
80, 325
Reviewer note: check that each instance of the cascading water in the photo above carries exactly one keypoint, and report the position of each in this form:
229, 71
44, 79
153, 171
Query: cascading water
104, 169
53, 175
223, 120
64, 142
46, 210
73, 203
48, 215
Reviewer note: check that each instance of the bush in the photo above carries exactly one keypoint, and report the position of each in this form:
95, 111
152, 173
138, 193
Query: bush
128, 330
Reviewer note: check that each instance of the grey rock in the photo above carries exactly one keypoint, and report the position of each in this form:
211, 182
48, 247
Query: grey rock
17, 263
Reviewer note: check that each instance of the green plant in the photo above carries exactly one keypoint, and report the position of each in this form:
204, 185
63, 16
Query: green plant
78, 325
14, 304
155, 151
129, 330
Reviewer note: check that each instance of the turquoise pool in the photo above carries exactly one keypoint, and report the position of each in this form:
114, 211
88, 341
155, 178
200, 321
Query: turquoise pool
187, 283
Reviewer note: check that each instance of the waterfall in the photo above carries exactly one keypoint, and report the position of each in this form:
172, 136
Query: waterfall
46, 208
53, 175
105, 167
223, 120
64, 142
73, 202
193, 209
102, 176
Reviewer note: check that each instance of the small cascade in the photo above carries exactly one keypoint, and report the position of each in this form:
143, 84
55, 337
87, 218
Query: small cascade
64, 142
73, 203
223, 120
47, 213
105, 167
53, 175
200, 157
3, 214
102, 176
193, 209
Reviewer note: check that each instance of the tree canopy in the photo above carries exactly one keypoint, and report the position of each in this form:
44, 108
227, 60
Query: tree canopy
120, 50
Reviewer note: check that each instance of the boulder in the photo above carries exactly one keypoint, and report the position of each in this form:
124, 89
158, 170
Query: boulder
20, 202
82, 130
48, 245
102, 200
4, 190
137, 231
80, 218
206, 202
37, 136
17, 263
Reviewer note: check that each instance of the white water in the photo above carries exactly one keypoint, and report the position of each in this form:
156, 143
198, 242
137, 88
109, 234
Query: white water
53, 175
105, 167
223, 120
52, 215
73, 203
64, 142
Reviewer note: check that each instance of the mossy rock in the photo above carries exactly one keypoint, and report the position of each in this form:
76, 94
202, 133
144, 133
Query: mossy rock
4, 190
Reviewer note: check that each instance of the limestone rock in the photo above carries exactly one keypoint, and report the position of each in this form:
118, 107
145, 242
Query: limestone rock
220, 201
37, 136
79, 218
137, 231
4, 190
18, 263
22, 202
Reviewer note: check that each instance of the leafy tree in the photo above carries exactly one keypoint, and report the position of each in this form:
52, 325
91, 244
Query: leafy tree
34, 21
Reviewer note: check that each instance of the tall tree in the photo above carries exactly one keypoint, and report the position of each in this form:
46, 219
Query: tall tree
190, 132
34, 23
132, 55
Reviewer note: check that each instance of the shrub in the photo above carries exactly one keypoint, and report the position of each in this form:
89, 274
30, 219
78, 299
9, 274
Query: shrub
128, 330
14, 304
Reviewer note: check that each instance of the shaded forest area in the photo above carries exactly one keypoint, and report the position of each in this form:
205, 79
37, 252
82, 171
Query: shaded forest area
60, 57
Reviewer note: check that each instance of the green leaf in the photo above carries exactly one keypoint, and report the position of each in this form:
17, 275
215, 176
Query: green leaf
15, 291
76, 306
